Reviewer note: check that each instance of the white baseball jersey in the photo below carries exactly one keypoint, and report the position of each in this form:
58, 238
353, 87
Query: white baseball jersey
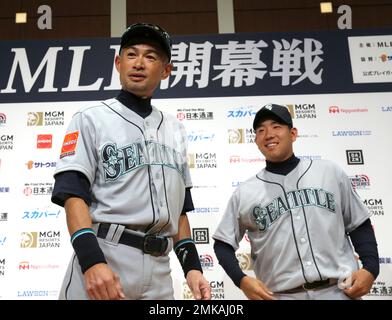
132, 165
297, 224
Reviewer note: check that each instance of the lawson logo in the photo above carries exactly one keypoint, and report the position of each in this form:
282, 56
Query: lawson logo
351, 133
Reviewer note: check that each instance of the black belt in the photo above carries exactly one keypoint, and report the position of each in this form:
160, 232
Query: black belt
316, 285
149, 243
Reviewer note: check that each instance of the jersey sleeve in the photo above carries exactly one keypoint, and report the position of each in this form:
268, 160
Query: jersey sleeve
230, 229
353, 209
78, 151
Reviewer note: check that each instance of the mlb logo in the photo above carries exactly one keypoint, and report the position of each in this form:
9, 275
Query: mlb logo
354, 157
200, 235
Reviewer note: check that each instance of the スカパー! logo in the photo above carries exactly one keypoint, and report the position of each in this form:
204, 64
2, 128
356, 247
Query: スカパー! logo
69, 144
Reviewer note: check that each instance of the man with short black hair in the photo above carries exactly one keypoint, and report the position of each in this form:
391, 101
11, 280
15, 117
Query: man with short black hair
124, 182
300, 217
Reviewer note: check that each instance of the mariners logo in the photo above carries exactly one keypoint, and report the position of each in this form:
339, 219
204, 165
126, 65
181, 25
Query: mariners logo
120, 161
264, 215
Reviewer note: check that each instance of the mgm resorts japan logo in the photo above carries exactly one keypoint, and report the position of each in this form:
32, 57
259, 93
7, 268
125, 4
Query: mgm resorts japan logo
241, 135
202, 160
302, 111
47, 118
41, 239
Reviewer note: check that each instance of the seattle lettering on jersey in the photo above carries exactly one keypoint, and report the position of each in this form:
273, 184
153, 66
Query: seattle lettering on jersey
265, 216
119, 161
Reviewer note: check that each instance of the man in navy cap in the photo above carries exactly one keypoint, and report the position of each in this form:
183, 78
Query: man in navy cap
300, 216
124, 182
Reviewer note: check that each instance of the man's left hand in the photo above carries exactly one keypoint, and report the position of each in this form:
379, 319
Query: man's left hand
199, 285
361, 283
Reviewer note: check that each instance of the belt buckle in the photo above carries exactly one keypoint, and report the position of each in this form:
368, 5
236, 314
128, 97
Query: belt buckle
308, 286
154, 245
315, 285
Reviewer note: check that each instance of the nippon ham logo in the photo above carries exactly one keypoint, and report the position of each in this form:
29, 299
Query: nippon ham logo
200, 235
206, 261
45, 118
302, 111
374, 206
244, 261
339, 110
44, 141
201, 136
194, 114
3, 119
242, 112
202, 160
360, 181
241, 135
235, 159
27, 266
6, 142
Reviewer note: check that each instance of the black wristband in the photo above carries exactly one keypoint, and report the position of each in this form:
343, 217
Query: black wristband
186, 252
87, 249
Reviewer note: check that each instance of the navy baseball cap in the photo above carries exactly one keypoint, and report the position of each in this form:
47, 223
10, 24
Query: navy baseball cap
144, 31
274, 110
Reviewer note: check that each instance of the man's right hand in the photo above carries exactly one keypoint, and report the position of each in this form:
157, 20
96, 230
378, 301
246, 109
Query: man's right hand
255, 289
102, 283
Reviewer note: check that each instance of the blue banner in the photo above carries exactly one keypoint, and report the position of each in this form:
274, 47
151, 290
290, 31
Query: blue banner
243, 64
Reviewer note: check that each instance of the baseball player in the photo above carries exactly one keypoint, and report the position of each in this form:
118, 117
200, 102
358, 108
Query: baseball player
124, 182
299, 216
